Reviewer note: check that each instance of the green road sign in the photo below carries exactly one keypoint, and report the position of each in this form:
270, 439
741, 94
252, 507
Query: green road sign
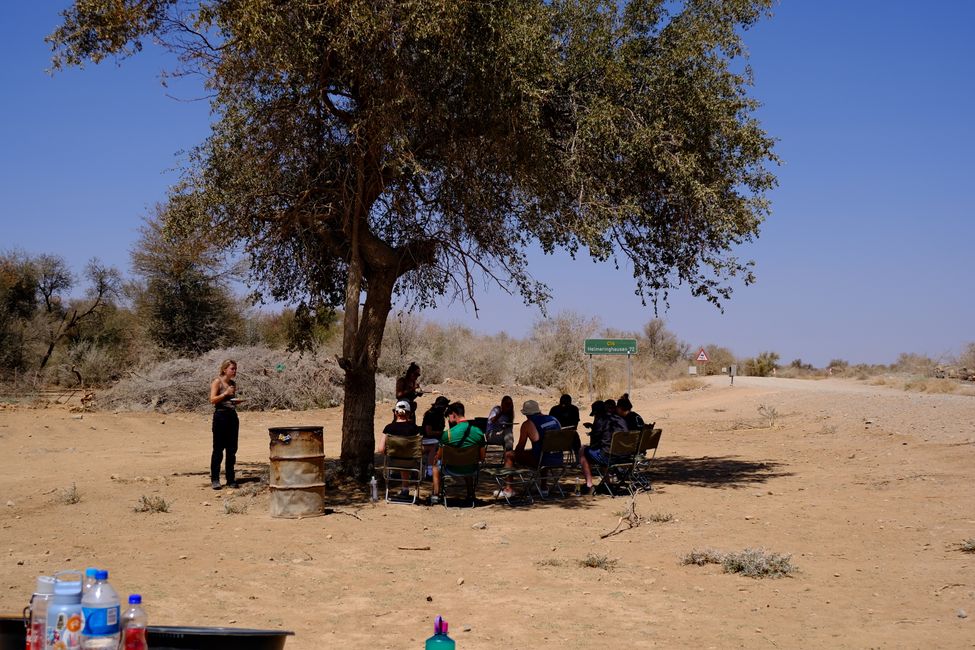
610, 346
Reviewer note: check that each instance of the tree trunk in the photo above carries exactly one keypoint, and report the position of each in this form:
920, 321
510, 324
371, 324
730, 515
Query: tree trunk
361, 347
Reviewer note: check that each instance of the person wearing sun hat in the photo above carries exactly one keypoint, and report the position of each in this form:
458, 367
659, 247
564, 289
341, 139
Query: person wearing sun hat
402, 425
534, 428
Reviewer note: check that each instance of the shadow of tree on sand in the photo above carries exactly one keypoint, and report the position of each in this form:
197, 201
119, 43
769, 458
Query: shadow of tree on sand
714, 471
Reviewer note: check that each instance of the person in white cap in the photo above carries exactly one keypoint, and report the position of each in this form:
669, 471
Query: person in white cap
534, 428
402, 425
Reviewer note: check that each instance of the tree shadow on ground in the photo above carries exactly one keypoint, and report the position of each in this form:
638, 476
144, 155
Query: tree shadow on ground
714, 471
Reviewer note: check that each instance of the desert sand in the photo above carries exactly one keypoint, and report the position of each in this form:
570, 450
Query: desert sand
869, 488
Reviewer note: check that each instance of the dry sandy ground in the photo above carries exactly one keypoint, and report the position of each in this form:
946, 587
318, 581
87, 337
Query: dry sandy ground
869, 488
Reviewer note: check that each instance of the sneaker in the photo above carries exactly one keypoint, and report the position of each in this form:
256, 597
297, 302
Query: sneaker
586, 490
504, 494
434, 500
404, 494
234, 485
215, 485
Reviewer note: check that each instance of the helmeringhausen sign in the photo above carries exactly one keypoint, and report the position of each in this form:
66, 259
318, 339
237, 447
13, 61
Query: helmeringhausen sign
610, 346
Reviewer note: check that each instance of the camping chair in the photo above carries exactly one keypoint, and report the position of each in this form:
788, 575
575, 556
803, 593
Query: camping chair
558, 455
622, 449
403, 454
457, 464
494, 451
640, 474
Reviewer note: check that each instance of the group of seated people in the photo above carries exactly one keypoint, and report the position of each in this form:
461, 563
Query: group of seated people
445, 424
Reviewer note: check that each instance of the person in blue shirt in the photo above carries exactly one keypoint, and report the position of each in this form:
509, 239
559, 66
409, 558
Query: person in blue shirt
534, 428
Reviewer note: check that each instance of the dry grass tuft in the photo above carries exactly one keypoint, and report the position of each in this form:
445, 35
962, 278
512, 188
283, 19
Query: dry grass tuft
594, 561
550, 562
660, 517
152, 504
700, 557
685, 384
69, 495
770, 413
758, 563
234, 508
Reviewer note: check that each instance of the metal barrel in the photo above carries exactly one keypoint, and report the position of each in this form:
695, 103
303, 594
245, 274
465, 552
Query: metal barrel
297, 472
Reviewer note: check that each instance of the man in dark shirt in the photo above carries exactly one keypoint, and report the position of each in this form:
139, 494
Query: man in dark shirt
634, 422
433, 426
604, 424
565, 412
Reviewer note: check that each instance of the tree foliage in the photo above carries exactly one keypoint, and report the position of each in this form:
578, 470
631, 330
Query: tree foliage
367, 148
185, 301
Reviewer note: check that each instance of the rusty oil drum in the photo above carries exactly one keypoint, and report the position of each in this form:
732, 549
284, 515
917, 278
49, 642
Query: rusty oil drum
297, 472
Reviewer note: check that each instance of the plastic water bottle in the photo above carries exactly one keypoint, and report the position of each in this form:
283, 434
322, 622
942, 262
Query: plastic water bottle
101, 611
90, 580
134, 623
440, 640
39, 602
65, 617
373, 489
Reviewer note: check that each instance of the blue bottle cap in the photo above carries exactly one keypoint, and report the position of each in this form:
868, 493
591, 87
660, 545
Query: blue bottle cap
135, 599
101, 574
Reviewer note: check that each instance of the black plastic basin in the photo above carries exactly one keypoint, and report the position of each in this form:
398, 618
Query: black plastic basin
163, 637
13, 635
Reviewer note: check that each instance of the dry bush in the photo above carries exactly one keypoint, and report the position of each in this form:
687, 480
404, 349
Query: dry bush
69, 495
758, 563
700, 557
152, 504
928, 385
660, 517
915, 364
594, 561
685, 384
770, 413
267, 379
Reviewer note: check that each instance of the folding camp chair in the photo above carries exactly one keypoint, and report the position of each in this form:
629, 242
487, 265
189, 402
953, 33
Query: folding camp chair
457, 465
403, 454
622, 448
558, 454
640, 474
497, 443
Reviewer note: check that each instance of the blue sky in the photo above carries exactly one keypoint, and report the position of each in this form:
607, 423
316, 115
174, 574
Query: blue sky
867, 253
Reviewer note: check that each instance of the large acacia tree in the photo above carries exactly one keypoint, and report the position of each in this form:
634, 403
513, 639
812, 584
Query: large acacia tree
364, 149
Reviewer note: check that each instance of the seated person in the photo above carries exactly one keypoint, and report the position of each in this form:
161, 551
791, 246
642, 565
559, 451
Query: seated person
402, 425
624, 408
432, 428
605, 423
533, 428
462, 433
565, 412
499, 422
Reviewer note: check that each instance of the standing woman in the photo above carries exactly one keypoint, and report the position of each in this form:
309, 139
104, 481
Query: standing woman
223, 391
408, 388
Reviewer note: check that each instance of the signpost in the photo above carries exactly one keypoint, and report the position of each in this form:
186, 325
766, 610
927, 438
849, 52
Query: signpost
614, 347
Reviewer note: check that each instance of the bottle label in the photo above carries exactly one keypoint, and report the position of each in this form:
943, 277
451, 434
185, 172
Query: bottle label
65, 632
101, 620
135, 639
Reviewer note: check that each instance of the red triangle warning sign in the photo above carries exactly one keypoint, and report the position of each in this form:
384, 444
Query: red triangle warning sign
702, 356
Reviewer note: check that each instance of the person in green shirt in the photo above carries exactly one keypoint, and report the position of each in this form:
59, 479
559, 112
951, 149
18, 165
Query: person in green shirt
461, 433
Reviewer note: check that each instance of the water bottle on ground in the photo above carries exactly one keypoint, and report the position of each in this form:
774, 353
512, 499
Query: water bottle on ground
373, 489
440, 640
101, 610
133, 625
65, 617
37, 612
89, 581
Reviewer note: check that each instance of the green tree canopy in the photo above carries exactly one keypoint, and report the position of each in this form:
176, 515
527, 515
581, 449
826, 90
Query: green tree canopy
363, 148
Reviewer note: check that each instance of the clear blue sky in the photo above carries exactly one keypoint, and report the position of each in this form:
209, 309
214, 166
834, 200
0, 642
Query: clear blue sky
868, 252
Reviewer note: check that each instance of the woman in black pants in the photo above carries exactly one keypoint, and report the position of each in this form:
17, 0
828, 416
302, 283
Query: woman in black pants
223, 392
